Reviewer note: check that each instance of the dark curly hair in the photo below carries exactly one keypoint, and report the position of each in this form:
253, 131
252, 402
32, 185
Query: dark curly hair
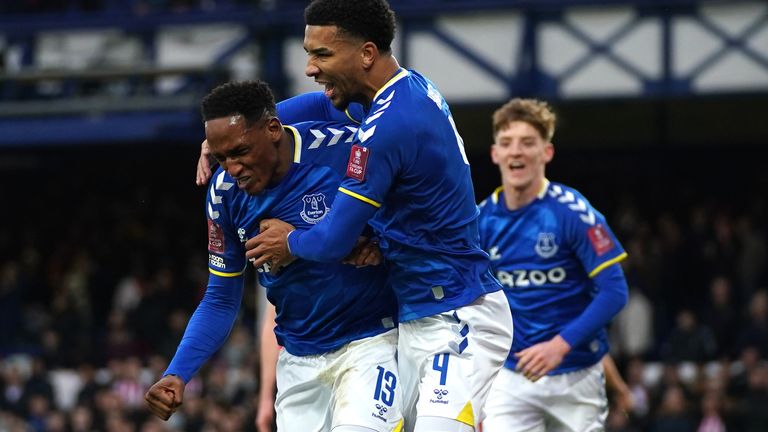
251, 99
370, 20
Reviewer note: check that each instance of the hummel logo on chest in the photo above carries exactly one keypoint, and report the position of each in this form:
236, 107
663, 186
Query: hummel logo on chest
494, 253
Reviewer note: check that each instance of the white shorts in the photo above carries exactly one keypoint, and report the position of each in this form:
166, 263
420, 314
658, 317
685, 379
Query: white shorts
448, 361
356, 385
574, 401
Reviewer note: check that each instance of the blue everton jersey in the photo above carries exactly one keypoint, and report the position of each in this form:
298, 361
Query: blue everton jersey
320, 306
544, 255
409, 161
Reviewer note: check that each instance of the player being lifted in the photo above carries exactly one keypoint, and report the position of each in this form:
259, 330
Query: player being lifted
408, 175
559, 263
336, 322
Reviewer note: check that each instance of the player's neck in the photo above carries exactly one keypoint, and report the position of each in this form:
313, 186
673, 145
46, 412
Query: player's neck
285, 153
381, 72
516, 198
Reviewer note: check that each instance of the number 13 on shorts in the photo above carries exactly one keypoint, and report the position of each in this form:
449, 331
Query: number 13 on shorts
385, 387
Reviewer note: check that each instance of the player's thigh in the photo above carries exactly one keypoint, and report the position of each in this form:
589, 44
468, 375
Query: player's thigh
449, 360
506, 412
302, 397
366, 389
583, 407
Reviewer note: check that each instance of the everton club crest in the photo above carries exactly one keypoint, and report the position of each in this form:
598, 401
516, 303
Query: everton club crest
545, 245
314, 208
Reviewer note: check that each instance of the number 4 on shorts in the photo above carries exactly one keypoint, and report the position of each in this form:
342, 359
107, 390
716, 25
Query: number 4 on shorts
440, 364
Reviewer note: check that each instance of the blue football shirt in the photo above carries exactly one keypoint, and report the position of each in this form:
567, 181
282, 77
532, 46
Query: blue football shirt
408, 160
545, 254
320, 306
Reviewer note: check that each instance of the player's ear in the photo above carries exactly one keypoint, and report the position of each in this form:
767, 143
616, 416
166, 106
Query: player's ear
274, 128
549, 151
368, 53
494, 155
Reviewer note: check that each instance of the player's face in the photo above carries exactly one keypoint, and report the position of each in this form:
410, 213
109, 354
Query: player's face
335, 62
248, 154
521, 154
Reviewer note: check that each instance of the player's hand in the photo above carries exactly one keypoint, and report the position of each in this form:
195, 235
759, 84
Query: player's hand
625, 401
165, 396
365, 253
265, 414
538, 360
270, 246
203, 165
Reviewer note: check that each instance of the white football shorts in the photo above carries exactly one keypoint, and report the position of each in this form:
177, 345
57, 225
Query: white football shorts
573, 401
356, 385
448, 361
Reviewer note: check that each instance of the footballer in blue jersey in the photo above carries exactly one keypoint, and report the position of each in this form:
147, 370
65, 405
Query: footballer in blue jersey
559, 264
335, 321
408, 176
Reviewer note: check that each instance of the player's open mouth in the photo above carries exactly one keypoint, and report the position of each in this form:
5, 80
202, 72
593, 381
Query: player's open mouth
242, 181
516, 166
329, 90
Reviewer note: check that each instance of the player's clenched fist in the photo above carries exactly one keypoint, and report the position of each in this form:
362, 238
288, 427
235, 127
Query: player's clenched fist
165, 396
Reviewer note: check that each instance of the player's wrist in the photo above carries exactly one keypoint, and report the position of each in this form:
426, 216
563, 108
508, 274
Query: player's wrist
287, 242
562, 345
175, 377
292, 237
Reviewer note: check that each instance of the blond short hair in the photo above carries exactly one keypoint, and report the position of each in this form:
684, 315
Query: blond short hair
532, 111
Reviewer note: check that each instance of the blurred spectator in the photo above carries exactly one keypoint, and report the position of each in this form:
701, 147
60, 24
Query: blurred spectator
56, 422
689, 341
724, 254
127, 383
177, 323
632, 329
120, 341
13, 388
675, 284
755, 332
640, 393
752, 256
674, 413
752, 407
711, 413
10, 305
81, 419
721, 315
38, 410
130, 288
86, 395
150, 318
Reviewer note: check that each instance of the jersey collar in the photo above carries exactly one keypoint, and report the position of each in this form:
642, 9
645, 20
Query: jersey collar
402, 73
540, 195
544, 188
296, 143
